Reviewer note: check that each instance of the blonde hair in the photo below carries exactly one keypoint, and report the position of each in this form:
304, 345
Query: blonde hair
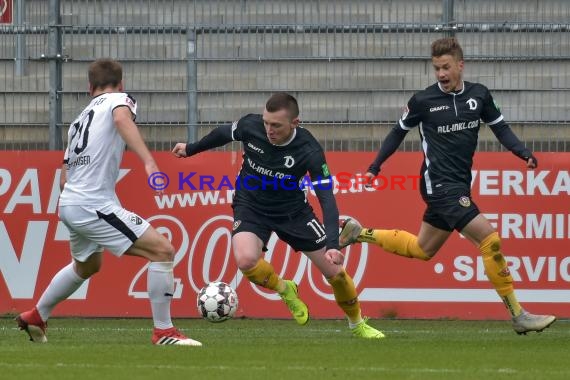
447, 46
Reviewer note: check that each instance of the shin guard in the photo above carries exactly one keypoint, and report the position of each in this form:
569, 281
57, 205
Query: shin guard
399, 242
346, 296
263, 274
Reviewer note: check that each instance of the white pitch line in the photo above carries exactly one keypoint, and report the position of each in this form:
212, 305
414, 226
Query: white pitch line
510, 371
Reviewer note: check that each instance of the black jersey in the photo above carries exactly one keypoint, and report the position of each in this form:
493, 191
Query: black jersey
274, 179
449, 126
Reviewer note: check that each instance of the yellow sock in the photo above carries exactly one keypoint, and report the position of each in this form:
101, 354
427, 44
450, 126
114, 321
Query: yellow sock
498, 272
264, 275
399, 242
345, 296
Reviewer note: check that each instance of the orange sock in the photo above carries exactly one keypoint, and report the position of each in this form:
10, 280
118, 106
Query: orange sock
498, 272
263, 274
399, 242
346, 296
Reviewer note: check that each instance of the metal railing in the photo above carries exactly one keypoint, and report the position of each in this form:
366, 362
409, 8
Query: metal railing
353, 65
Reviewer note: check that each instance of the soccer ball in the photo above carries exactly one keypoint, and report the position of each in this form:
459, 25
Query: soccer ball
217, 302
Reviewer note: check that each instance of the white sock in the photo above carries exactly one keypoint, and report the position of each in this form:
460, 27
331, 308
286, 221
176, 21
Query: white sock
353, 325
160, 283
63, 284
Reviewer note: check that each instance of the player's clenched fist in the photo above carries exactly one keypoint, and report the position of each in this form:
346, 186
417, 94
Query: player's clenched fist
179, 150
334, 256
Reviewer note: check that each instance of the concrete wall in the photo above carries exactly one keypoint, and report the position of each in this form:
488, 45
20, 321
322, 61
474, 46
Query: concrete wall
352, 65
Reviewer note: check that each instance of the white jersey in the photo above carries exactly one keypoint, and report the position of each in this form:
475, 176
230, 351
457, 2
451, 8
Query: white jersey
94, 152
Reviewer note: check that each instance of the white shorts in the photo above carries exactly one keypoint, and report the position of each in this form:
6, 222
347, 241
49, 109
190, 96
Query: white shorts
94, 228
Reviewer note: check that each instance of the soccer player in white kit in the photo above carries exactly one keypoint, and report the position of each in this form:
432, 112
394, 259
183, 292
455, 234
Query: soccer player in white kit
89, 207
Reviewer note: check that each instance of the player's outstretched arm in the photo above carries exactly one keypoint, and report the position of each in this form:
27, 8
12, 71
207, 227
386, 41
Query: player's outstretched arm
218, 137
63, 177
388, 147
322, 183
509, 140
330, 215
130, 133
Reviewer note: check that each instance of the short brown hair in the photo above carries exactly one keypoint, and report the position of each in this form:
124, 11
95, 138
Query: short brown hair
447, 46
283, 100
105, 72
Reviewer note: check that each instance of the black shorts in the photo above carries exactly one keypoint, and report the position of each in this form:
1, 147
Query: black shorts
303, 233
450, 210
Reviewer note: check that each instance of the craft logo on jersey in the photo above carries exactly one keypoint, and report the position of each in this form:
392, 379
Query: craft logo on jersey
439, 108
258, 150
465, 201
289, 162
472, 103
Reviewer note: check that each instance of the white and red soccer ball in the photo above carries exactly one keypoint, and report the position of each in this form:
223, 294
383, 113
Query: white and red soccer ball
217, 302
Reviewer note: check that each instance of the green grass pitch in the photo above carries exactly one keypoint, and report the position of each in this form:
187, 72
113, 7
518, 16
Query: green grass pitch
279, 349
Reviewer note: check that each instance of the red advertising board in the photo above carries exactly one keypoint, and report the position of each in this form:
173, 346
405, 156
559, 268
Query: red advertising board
529, 208
6, 7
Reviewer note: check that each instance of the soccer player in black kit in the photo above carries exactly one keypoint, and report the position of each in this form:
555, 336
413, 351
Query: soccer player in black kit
448, 113
270, 197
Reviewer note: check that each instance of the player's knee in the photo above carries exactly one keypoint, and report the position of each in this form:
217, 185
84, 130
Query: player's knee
423, 254
343, 288
245, 262
247, 249
86, 273
88, 268
165, 252
492, 243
